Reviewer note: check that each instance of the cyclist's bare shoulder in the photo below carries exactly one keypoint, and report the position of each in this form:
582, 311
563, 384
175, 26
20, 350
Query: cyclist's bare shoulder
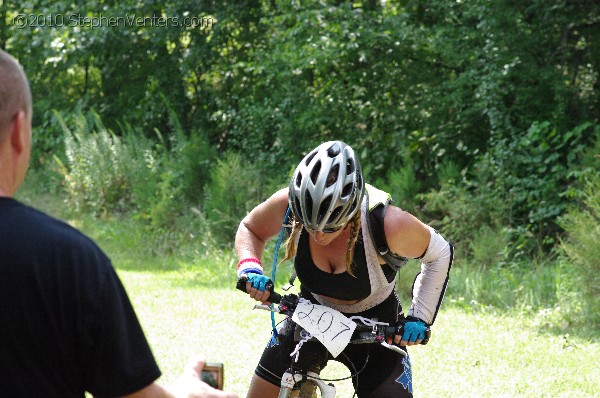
275, 204
280, 196
266, 218
406, 234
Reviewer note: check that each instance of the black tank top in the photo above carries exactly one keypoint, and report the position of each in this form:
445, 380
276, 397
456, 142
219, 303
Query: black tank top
339, 286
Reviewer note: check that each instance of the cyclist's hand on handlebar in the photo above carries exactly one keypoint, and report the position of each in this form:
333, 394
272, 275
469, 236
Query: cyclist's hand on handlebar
258, 281
411, 331
258, 286
265, 296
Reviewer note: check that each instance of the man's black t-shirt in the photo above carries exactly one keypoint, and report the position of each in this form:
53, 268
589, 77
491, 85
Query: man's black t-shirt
66, 323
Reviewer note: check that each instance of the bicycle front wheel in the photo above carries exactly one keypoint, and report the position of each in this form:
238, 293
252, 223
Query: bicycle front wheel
308, 390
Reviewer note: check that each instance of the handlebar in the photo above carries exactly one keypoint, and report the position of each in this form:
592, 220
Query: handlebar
273, 297
364, 333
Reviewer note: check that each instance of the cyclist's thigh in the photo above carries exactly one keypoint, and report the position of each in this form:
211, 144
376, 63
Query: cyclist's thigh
272, 365
260, 388
267, 378
386, 374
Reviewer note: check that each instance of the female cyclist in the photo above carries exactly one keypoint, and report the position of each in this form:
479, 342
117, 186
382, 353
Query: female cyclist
341, 263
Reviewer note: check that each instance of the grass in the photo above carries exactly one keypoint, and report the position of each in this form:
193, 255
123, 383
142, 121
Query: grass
477, 354
187, 305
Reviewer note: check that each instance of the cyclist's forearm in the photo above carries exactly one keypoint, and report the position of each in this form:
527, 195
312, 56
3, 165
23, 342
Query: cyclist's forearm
260, 225
430, 284
247, 244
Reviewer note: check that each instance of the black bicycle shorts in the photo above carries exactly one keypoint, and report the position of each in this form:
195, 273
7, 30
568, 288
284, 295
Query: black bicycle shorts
383, 373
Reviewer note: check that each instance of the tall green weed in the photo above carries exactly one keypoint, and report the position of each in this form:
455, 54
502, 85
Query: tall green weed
99, 171
159, 180
403, 185
235, 187
581, 290
470, 214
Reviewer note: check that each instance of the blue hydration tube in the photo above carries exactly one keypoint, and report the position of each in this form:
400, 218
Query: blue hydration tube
274, 268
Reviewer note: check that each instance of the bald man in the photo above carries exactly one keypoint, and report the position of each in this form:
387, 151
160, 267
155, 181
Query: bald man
66, 323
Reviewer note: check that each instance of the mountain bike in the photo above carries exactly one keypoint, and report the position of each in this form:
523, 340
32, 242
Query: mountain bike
314, 328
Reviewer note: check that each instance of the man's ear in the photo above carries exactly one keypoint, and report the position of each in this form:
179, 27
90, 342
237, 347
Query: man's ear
18, 130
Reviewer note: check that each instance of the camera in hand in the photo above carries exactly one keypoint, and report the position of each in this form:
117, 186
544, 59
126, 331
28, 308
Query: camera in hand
212, 374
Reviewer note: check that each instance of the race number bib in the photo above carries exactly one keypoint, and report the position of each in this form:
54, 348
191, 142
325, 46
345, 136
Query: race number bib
327, 325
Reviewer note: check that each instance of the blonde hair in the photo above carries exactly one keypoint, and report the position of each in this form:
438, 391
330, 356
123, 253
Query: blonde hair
291, 246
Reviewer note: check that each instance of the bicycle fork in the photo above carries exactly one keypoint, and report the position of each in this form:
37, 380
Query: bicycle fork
290, 379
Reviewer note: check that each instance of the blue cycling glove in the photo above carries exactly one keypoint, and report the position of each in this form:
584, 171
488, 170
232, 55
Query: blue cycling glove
258, 281
414, 329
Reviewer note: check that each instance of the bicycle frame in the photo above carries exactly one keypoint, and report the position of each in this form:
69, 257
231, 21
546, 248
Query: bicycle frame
364, 334
375, 333
291, 378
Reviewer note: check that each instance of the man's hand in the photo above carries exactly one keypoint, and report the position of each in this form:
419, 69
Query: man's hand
190, 384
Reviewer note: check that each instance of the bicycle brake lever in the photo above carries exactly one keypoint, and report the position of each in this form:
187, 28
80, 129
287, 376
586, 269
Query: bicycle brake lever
394, 348
264, 307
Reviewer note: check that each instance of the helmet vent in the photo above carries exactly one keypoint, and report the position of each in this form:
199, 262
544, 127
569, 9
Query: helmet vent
298, 179
347, 190
314, 174
334, 150
310, 158
309, 207
323, 208
298, 209
350, 167
332, 176
334, 215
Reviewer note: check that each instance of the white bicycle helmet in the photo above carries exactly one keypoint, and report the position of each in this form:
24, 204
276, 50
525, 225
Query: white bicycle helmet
327, 187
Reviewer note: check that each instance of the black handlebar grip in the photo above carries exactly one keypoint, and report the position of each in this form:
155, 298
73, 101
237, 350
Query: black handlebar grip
273, 297
427, 336
389, 331
241, 285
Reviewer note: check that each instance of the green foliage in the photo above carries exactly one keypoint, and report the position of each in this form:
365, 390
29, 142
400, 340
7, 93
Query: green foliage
526, 286
533, 173
490, 246
274, 77
403, 185
234, 189
161, 184
97, 174
439, 99
183, 170
582, 250
471, 214
514, 193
